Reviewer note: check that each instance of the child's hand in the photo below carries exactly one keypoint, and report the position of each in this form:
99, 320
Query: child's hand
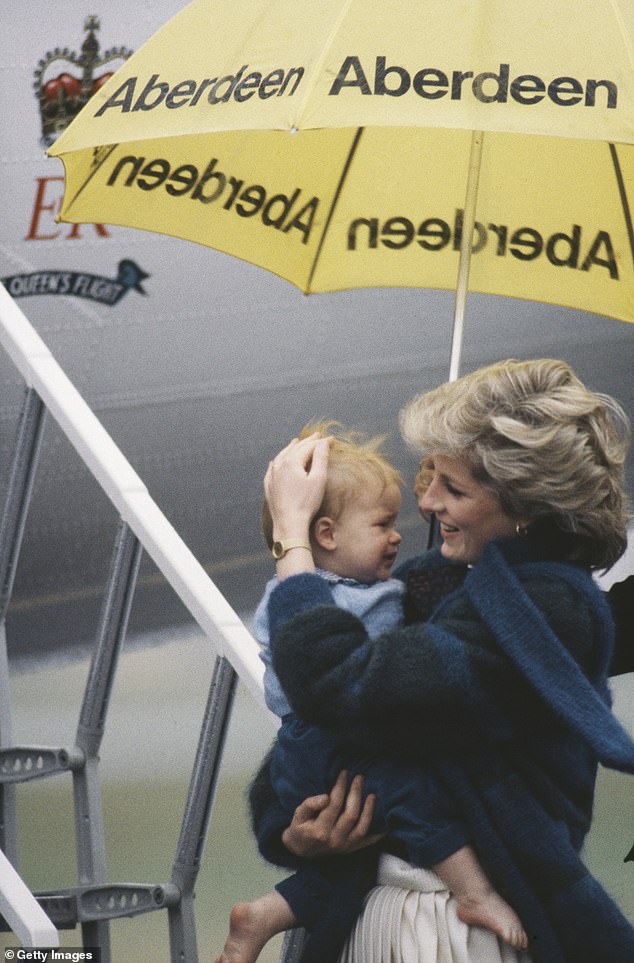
332, 824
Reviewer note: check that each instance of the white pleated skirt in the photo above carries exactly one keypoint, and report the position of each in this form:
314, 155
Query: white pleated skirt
410, 917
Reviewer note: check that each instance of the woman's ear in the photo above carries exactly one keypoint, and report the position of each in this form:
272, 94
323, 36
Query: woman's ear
323, 532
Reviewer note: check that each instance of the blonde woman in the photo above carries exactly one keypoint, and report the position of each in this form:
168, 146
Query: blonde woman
498, 682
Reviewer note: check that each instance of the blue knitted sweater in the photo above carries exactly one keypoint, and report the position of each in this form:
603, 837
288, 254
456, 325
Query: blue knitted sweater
504, 691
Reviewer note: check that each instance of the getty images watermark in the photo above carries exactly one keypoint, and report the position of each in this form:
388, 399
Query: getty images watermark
72, 954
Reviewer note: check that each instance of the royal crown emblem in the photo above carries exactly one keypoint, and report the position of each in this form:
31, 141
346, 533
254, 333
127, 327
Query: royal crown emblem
65, 81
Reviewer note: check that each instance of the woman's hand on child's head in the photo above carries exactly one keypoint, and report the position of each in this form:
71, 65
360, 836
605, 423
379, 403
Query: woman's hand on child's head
294, 485
332, 824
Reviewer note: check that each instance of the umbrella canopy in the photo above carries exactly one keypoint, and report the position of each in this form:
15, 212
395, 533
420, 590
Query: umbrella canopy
331, 143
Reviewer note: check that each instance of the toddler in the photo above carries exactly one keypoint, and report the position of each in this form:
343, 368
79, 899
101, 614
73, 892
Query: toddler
354, 543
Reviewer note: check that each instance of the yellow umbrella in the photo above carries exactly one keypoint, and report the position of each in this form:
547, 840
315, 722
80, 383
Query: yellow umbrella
341, 144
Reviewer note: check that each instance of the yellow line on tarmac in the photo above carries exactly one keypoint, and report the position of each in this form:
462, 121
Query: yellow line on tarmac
213, 569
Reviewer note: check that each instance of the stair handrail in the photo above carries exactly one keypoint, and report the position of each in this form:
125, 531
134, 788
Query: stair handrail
21, 910
129, 495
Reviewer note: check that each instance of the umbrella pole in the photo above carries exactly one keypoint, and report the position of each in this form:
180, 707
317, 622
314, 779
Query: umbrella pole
466, 243
462, 286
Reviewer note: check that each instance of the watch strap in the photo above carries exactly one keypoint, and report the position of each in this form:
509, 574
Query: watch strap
280, 548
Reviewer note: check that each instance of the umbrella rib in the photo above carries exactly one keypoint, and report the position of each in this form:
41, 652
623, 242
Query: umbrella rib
336, 196
627, 214
95, 169
319, 61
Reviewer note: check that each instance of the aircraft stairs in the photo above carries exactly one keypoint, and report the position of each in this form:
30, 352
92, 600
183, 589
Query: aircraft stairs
94, 902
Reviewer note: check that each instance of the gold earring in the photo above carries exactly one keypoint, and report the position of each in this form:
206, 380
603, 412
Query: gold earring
521, 530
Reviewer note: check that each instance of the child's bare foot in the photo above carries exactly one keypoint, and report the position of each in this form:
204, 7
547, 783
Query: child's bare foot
494, 913
251, 926
479, 904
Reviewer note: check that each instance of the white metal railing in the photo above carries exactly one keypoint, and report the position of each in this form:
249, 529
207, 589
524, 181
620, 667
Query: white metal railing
129, 495
21, 910
236, 647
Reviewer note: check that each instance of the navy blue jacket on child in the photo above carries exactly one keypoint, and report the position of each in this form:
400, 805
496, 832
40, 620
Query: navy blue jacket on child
411, 804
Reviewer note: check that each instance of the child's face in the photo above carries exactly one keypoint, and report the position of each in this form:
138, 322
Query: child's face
365, 535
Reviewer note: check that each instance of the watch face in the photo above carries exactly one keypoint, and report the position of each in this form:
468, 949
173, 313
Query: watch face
277, 550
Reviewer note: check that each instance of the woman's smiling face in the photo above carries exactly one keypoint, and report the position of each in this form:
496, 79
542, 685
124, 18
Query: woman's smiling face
469, 514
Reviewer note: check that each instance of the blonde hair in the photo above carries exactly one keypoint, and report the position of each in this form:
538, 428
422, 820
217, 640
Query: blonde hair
551, 449
354, 462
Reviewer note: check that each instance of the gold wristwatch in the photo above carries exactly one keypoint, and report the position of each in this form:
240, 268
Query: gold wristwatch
279, 549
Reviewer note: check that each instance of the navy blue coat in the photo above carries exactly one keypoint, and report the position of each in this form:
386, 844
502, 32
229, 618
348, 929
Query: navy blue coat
504, 691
